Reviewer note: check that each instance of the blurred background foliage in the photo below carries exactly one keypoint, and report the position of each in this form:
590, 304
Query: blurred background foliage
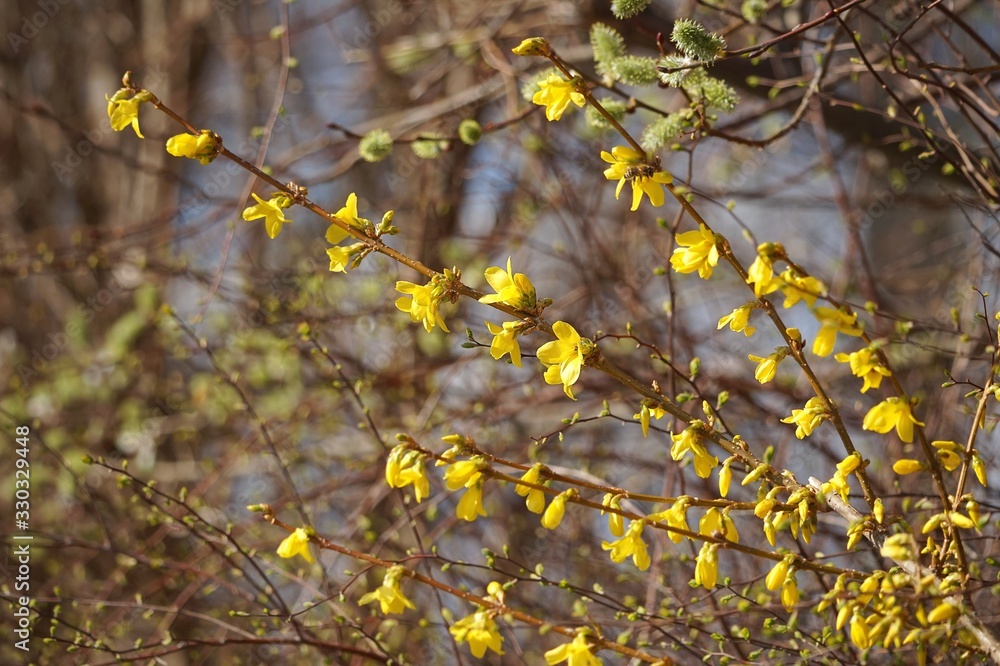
880, 179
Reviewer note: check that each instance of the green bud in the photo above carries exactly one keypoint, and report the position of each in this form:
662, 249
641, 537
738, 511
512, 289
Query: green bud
428, 149
375, 146
695, 41
624, 9
753, 10
470, 132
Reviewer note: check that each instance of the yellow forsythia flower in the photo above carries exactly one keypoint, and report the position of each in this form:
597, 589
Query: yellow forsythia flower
942, 613
833, 321
347, 214
563, 357
556, 510
296, 543
696, 251
899, 547
891, 413
480, 632
389, 595
778, 574
505, 340
464, 473
555, 93
860, 635
907, 466
533, 46
404, 467
204, 147
706, 566
951, 454
630, 165
422, 302
630, 545
866, 365
796, 288
616, 522
645, 414
577, 653
809, 417
725, 478
514, 289
718, 522
536, 497
272, 212
790, 593
471, 504
767, 366
761, 271
123, 109
675, 517
738, 320
690, 440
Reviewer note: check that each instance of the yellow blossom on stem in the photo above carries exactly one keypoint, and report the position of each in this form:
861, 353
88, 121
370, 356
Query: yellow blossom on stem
833, 321
123, 109
348, 214
979, 468
557, 509
706, 566
272, 212
838, 484
860, 635
809, 417
900, 547
533, 46
464, 473
536, 497
907, 466
797, 288
790, 593
389, 595
696, 251
779, 572
942, 613
675, 517
725, 478
577, 653
850, 463
951, 454
630, 545
204, 147
646, 413
296, 543
866, 365
630, 165
480, 632
738, 320
616, 522
761, 271
891, 413
471, 504
404, 467
514, 289
423, 302
563, 357
505, 340
690, 440
340, 256
716, 522
767, 366
555, 93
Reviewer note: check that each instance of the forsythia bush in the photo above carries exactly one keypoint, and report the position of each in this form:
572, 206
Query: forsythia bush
794, 554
